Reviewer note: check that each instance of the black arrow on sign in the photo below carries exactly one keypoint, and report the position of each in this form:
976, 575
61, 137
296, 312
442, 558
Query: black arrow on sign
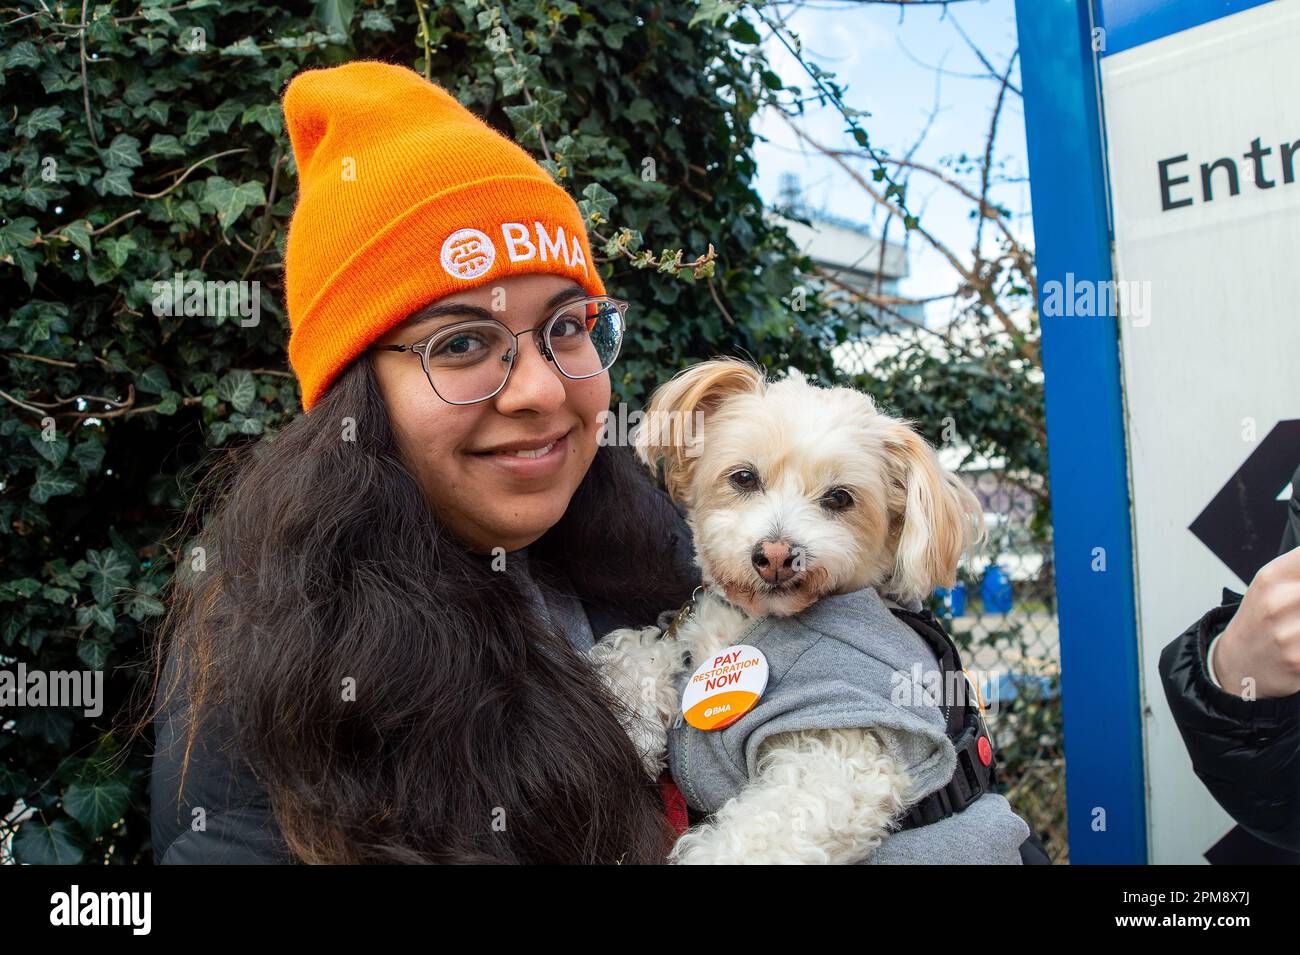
1243, 524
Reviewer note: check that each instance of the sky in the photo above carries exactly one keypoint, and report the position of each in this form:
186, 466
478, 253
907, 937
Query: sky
891, 67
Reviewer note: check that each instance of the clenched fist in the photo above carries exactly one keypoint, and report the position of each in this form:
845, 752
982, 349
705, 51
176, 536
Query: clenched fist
1262, 641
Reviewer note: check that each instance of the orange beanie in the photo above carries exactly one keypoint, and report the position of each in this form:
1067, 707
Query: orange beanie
405, 196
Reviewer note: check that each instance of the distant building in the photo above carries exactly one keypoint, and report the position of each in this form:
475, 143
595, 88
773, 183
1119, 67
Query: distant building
852, 255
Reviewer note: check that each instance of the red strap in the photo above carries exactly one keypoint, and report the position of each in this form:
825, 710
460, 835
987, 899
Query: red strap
674, 803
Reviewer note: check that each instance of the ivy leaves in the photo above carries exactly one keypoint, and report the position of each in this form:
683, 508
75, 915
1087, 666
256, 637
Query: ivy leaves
57, 843
120, 157
106, 571
228, 200
41, 119
122, 153
96, 806
93, 793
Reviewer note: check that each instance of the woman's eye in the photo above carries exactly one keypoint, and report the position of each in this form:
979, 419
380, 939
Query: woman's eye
464, 345
744, 479
837, 499
568, 329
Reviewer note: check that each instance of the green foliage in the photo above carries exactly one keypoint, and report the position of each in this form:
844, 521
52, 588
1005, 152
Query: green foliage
169, 157
990, 401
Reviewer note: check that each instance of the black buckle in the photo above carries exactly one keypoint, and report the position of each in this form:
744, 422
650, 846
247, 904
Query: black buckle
967, 784
970, 780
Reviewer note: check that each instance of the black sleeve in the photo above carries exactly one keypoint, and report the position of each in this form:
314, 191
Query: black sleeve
236, 824
1291, 535
1247, 753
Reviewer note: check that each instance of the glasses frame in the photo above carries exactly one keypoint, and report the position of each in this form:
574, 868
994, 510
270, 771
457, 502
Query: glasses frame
541, 334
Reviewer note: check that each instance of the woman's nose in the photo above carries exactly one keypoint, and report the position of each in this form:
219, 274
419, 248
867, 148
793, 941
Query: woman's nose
534, 382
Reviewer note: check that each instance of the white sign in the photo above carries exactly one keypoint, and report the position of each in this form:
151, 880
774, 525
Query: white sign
1203, 140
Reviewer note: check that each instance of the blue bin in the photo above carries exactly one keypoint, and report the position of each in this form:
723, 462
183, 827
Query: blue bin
1008, 686
954, 601
995, 590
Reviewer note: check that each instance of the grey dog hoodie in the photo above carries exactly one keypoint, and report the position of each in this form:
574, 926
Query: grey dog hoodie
842, 663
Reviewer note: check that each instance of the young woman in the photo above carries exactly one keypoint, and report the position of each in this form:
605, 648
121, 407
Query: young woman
376, 656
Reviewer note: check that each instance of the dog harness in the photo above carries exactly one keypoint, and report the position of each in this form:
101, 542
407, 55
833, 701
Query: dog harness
976, 771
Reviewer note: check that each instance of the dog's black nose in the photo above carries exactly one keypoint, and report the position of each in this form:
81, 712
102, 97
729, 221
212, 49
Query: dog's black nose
774, 561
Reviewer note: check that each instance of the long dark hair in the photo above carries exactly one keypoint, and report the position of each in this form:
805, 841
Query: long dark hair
476, 733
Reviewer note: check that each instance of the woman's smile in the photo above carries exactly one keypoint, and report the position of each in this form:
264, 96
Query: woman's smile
528, 458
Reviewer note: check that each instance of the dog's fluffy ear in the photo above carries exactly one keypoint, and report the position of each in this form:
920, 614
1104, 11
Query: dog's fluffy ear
940, 520
668, 432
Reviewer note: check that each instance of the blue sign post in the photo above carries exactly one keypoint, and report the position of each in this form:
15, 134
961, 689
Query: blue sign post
1105, 781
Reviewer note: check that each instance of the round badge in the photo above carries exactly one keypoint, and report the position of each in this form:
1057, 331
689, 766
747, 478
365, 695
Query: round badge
467, 254
725, 687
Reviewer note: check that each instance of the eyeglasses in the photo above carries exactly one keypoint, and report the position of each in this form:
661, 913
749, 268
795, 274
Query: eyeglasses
471, 361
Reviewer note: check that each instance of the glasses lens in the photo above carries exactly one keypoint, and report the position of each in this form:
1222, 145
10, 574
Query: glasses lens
585, 337
468, 363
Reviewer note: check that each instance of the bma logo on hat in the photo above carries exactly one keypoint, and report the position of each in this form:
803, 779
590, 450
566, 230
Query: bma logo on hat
467, 254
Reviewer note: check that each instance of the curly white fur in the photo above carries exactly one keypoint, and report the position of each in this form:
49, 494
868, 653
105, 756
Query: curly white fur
824, 797
641, 669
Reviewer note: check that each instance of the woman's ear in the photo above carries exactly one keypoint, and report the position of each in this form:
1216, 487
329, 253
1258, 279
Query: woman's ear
671, 429
940, 517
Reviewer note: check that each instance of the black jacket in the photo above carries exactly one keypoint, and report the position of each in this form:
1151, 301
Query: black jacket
1246, 753
222, 790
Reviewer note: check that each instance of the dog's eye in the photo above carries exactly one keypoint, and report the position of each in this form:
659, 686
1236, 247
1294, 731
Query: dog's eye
837, 499
743, 480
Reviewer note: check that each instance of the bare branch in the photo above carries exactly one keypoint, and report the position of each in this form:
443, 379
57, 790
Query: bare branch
185, 175
984, 60
972, 277
988, 153
85, 83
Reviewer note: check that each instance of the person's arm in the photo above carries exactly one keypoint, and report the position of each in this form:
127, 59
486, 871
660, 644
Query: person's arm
1246, 751
223, 815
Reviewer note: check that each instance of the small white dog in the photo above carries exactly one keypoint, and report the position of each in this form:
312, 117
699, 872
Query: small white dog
793, 492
